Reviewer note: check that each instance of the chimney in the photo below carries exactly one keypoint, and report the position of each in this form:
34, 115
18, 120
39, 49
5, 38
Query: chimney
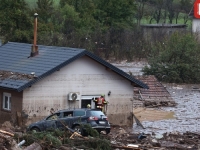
34, 48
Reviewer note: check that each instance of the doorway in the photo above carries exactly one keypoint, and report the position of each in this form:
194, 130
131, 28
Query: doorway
88, 99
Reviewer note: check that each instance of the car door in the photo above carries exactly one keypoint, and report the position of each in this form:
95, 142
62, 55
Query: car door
51, 121
65, 120
79, 116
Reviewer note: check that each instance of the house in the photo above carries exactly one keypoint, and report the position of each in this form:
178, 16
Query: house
37, 80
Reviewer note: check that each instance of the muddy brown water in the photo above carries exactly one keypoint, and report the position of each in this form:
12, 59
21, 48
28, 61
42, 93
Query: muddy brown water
152, 114
186, 115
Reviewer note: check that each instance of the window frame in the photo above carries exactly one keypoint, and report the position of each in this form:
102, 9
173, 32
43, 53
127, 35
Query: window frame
8, 95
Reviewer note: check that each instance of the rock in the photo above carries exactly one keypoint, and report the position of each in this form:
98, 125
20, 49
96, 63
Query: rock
34, 146
155, 143
121, 131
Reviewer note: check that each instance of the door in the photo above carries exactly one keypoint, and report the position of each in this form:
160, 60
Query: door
66, 120
51, 122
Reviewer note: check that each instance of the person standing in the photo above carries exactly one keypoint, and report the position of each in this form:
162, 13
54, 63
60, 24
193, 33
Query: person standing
100, 103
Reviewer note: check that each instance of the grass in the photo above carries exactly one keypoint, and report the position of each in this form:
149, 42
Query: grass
179, 21
149, 9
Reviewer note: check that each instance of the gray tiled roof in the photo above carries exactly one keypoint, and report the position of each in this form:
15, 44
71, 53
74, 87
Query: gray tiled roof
15, 58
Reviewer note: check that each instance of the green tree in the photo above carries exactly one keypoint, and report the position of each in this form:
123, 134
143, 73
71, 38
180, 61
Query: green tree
176, 60
186, 6
115, 13
85, 11
45, 8
171, 11
70, 19
140, 10
158, 10
15, 24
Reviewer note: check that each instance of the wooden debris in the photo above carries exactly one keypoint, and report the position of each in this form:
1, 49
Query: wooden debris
153, 104
7, 133
19, 118
126, 147
74, 132
138, 121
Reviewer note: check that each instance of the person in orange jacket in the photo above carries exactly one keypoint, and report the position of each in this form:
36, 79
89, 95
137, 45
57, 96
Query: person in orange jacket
100, 102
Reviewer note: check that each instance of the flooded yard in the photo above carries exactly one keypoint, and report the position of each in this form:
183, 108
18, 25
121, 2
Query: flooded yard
186, 112
183, 117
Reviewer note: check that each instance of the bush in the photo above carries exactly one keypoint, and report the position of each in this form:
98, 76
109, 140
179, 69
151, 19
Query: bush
176, 60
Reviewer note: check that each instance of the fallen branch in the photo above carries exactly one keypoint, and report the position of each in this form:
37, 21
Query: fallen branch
125, 147
74, 132
7, 133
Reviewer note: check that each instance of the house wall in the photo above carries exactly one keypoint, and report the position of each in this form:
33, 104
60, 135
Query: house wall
16, 106
196, 27
86, 77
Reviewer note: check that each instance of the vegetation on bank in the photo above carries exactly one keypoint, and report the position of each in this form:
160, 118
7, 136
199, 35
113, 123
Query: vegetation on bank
176, 59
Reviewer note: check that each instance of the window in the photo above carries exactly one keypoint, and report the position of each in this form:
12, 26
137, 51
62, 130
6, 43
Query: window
79, 113
7, 101
53, 117
68, 114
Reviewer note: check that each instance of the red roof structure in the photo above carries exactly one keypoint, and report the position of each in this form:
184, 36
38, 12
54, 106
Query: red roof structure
157, 94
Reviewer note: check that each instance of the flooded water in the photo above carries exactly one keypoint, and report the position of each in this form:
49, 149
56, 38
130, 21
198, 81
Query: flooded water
134, 67
186, 113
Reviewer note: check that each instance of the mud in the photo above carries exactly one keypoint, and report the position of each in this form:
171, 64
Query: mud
150, 114
186, 112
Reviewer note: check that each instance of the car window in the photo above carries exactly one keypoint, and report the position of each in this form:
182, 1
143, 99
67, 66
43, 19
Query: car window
95, 113
79, 113
53, 117
68, 114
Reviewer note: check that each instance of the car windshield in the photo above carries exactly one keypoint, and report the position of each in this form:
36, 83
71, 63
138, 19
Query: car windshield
96, 113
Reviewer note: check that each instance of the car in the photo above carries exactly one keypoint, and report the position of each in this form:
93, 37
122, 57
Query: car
73, 119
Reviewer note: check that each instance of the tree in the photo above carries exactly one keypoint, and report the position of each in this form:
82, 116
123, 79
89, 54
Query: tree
15, 24
157, 15
186, 6
45, 9
177, 8
170, 8
115, 13
177, 60
140, 10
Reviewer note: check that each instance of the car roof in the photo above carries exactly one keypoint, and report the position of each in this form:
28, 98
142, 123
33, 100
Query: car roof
83, 109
